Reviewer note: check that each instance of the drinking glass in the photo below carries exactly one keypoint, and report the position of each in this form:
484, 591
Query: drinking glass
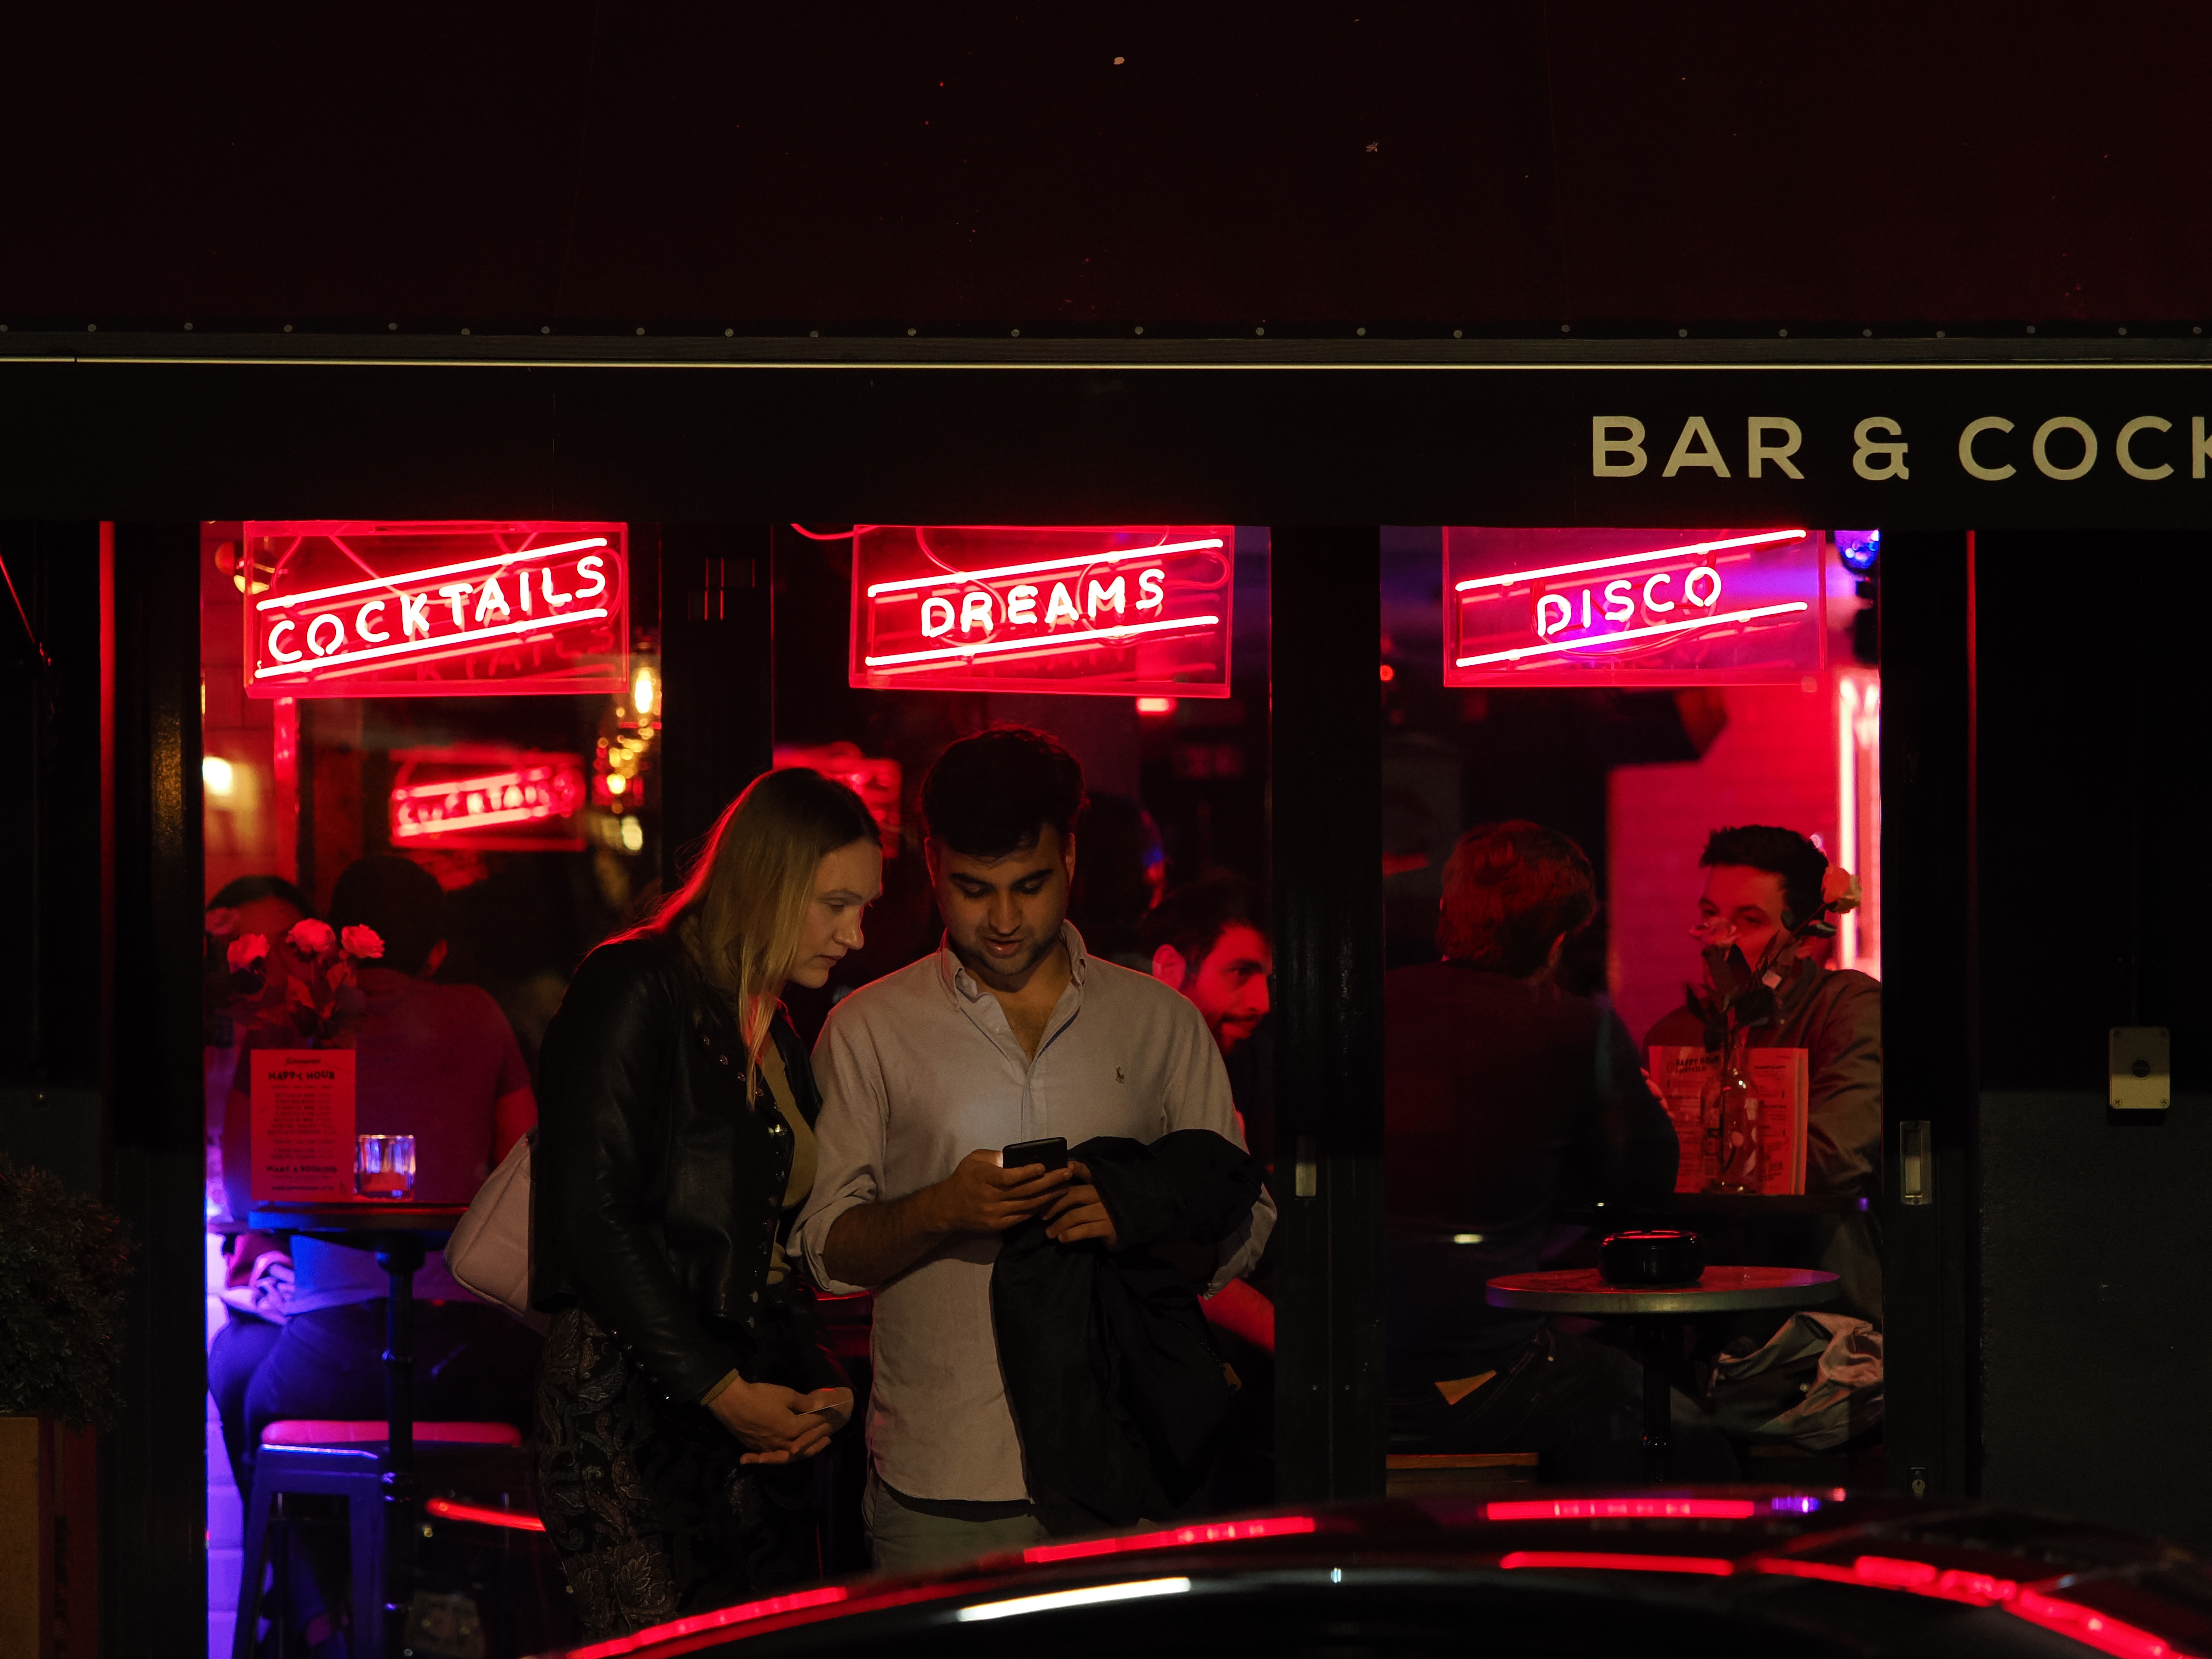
383, 1166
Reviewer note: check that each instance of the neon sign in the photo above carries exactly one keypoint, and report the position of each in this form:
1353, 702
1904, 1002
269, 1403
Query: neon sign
490, 799
1123, 612
366, 609
1613, 607
874, 779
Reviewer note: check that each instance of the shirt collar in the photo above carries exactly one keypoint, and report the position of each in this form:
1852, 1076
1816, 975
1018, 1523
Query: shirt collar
962, 983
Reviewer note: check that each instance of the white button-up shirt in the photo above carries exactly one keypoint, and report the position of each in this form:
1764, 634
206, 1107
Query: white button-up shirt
922, 1068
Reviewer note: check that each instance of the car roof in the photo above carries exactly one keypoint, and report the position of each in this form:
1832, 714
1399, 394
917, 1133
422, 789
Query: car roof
1826, 1557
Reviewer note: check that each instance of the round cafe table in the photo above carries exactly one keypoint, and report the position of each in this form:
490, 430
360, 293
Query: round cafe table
401, 1236
1658, 1311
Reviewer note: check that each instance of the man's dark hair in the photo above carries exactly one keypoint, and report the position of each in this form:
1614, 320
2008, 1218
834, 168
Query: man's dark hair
1510, 890
993, 794
1782, 853
398, 899
250, 889
1194, 917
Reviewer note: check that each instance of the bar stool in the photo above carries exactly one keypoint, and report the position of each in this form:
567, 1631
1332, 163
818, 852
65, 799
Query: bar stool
338, 1459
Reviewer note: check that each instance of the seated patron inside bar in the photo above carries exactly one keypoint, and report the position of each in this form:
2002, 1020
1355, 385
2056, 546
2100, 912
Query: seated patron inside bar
1769, 893
438, 1062
1506, 1098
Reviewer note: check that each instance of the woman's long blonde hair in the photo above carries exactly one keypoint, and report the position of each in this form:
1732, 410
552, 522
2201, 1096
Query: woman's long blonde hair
741, 911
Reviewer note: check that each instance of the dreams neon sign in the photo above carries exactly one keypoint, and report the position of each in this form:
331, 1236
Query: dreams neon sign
1555, 607
1109, 611
369, 608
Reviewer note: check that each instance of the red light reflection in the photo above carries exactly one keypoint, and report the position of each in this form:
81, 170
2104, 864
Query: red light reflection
1609, 1509
1610, 1561
2073, 1619
1225, 1531
447, 1510
720, 1619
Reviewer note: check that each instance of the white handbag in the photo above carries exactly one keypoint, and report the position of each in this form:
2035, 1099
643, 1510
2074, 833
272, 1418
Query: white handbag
489, 1250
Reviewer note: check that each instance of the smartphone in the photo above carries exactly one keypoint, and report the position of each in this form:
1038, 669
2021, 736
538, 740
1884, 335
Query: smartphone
1053, 1154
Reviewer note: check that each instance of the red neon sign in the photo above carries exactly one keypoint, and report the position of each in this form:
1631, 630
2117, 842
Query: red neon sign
1618, 607
369, 608
874, 779
1123, 612
492, 800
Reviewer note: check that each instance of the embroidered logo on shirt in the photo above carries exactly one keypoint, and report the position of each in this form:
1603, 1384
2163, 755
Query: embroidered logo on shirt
1121, 1076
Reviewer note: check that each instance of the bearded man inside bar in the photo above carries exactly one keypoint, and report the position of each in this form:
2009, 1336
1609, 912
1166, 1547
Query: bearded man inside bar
1769, 892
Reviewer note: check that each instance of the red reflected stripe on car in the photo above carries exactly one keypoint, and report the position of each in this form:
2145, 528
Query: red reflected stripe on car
2074, 1619
1224, 1532
704, 1623
2091, 1628
1610, 1509
1612, 1561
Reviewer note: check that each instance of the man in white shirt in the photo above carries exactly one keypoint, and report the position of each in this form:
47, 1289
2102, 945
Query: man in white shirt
1009, 1032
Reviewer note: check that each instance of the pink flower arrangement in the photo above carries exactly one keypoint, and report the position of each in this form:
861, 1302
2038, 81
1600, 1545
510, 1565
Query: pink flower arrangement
1840, 889
323, 998
310, 937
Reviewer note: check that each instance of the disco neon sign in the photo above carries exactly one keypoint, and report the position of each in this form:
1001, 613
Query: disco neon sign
1594, 607
1122, 612
366, 608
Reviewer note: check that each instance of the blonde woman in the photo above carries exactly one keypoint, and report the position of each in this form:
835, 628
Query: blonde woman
683, 1387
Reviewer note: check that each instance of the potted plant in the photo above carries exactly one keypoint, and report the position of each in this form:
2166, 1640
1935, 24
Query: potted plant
63, 1261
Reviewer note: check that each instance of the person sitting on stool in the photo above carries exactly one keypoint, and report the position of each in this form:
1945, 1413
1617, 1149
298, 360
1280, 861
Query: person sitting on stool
438, 1062
1505, 1097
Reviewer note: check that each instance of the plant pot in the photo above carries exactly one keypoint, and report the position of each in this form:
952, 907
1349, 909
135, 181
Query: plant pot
49, 1540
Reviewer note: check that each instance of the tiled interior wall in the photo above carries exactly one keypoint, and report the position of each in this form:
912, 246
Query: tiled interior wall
1773, 763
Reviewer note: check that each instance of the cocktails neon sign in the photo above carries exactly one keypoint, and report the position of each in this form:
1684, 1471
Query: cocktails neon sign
367, 609
1595, 607
1119, 612
488, 799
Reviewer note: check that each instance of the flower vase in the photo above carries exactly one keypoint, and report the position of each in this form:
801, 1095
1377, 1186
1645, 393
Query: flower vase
1731, 1115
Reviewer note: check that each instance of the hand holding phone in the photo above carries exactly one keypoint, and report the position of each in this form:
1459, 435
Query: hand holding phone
1052, 1154
991, 1191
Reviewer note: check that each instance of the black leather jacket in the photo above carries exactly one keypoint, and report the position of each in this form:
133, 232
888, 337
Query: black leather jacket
657, 1191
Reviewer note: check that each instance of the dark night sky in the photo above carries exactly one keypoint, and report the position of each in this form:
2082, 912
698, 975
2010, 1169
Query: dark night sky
1509, 165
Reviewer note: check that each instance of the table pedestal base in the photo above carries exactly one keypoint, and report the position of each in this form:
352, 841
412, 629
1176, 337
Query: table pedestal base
1658, 1341
399, 1261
